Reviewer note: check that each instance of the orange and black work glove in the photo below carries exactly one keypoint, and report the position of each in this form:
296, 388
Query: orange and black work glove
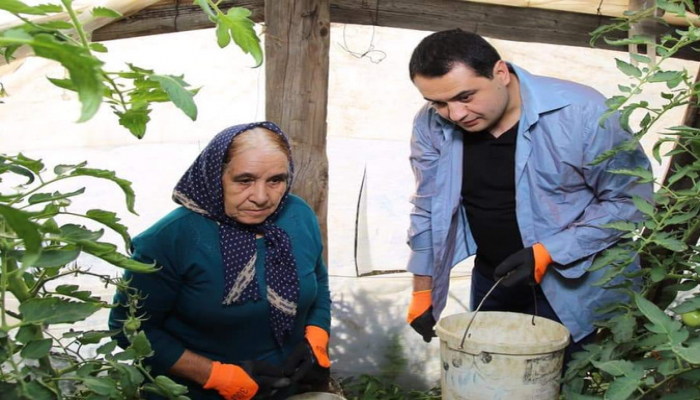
309, 363
248, 379
420, 314
524, 267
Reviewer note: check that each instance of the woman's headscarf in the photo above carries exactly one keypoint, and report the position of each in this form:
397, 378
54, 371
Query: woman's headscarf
201, 191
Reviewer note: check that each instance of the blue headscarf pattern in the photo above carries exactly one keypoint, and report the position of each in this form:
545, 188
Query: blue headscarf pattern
200, 190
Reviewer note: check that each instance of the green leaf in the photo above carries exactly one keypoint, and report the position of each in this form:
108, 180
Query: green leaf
77, 234
609, 256
624, 226
664, 76
168, 384
50, 258
628, 69
18, 7
671, 7
103, 386
135, 120
242, 32
657, 274
669, 243
75, 292
141, 345
222, 35
98, 47
667, 367
94, 337
111, 220
53, 310
654, 314
644, 174
35, 166
44, 197
61, 169
615, 367
109, 175
108, 252
641, 58
87, 369
37, 349
615, 102
37, 391
56, 25
643, 205
105, 12
66, 84
19, 170
84, 70
181, 97
621, 388
623, 327
107, 348
688, 305
25, 229
690, 354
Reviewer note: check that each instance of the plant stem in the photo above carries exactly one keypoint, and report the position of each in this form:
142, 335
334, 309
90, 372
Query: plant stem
76, 23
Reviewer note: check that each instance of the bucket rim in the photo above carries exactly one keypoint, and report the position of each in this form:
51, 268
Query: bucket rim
474, 347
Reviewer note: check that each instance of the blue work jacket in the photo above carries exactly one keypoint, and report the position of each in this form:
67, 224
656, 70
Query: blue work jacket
562, 201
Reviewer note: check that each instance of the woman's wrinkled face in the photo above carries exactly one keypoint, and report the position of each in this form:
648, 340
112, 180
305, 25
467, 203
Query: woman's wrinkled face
254, 182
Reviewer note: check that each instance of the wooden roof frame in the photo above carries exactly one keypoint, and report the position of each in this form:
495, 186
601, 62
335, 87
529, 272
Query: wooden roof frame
297, 57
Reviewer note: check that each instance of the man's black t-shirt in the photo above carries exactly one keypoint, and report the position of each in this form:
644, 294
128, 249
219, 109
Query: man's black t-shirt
488, 195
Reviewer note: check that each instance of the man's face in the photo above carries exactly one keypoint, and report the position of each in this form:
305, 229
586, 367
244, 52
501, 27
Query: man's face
473, 102
254, 182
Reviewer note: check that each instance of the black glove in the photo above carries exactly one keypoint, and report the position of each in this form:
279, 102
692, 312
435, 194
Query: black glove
518, 268
424, 325
303, 367
268, 377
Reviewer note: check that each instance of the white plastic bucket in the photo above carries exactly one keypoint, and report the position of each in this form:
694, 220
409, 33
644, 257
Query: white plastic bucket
504, 356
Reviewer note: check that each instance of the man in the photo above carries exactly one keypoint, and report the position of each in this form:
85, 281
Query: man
502, 162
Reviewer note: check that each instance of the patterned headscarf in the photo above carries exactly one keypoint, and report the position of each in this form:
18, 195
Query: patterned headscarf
201, 191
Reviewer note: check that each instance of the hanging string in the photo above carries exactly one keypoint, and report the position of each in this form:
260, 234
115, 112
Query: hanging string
599, 11
374, 55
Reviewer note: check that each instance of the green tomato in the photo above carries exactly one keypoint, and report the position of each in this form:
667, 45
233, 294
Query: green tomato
132, 324
691, 318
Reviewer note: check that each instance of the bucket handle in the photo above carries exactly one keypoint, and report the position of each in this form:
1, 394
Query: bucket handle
466, 331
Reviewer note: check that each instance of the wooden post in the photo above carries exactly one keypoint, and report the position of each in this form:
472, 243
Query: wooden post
297, 41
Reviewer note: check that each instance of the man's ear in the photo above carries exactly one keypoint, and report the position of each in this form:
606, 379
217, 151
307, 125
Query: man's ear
501, 72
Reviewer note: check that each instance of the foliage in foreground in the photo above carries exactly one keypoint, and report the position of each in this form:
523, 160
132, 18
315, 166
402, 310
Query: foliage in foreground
131, 92
368, 387
41, 238
646, 351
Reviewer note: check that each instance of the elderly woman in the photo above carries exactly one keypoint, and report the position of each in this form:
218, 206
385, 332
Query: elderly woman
240, 306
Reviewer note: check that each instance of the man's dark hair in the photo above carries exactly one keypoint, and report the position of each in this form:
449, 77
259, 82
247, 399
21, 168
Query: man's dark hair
438, 53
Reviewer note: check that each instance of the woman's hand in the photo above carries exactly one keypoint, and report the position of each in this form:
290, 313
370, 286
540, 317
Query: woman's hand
309, 363
248, 379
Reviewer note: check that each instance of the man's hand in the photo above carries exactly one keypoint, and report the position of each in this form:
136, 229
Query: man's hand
420, 315
524, 267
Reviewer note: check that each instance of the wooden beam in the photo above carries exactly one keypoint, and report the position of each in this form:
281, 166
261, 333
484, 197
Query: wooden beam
491, 20
297, 43
168, 16
523, 24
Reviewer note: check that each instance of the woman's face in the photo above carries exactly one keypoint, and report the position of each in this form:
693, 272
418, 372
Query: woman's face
254, 182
